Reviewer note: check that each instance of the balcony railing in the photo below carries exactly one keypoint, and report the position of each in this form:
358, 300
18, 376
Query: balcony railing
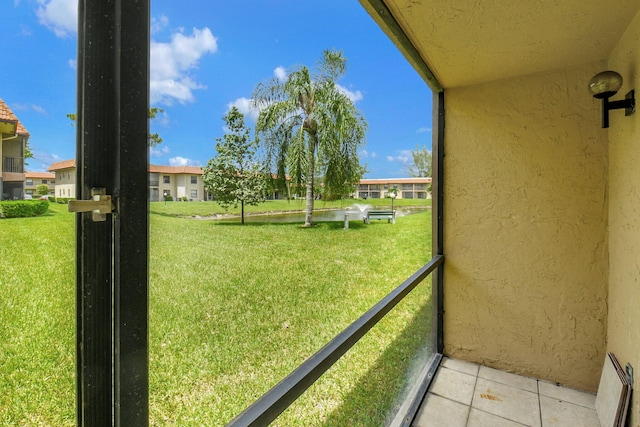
267, 408
13, 164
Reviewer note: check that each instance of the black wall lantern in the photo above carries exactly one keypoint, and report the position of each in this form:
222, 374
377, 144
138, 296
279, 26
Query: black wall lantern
606, 84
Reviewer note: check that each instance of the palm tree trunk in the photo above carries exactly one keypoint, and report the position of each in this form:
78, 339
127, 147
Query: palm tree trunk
242, 211
313, 141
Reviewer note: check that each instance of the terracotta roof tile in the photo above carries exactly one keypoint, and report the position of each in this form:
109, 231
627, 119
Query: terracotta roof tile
192, 170
39, 175
7, 115
65, 164
396, 181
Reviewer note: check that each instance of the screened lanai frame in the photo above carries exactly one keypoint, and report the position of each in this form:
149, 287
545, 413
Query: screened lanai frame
112, 255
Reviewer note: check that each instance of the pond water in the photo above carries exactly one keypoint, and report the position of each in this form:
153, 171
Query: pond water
355, 213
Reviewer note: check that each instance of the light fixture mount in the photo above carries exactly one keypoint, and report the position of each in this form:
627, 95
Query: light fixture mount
606, 84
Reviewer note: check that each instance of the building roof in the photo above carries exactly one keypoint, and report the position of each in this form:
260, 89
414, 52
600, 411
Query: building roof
39, 175
7, 116
426, 180
65, 164
191, 170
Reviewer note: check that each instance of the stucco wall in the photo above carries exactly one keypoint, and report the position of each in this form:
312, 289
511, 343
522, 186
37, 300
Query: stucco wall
624, 214
526, 226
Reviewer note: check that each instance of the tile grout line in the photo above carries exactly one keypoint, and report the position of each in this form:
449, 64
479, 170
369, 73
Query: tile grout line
473, 395
539, 402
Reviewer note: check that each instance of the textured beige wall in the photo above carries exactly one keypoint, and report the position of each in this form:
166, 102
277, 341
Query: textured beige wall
526, 226
624, 214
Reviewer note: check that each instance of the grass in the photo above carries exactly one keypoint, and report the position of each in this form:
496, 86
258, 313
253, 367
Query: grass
183, 209
233, 309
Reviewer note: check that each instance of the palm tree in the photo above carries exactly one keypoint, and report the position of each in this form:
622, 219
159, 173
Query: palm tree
307, 121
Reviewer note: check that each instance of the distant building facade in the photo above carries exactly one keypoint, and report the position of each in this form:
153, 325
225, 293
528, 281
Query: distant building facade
179, 182
13, 142
186, 183
406, 188
33, 179
65, 176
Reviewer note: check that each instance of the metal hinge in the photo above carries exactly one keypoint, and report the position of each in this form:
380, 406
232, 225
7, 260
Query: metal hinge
100, 205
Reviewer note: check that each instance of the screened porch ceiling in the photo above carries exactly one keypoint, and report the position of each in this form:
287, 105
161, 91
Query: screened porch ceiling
466, 42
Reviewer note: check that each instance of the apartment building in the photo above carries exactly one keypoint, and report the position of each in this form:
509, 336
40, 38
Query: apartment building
65, 177
33, 179
13, 141
405, 188
179, 182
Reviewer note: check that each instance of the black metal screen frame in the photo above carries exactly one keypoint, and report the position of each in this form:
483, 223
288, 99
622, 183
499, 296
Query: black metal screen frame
112, 256
282, 395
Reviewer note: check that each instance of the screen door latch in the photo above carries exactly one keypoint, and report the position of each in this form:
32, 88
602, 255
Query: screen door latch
100, 205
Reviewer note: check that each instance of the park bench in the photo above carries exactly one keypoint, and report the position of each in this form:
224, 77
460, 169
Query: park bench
389, 215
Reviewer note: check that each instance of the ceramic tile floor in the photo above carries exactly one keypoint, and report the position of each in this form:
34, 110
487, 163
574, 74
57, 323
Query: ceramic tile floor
465, 394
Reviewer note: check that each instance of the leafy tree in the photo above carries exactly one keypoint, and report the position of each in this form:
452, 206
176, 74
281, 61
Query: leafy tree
421, 167
233, 176
154, 138
309, 126
42, 189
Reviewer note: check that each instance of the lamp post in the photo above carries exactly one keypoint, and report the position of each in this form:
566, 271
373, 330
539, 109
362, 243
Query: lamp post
393, 193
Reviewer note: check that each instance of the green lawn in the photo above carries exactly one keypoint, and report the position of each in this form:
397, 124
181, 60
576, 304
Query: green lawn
233, 309
175, 208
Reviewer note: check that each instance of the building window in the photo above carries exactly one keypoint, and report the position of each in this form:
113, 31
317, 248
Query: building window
422, 194
363, 187
44, 181
194, 179
374, 194
29, 182
421, 186
30, 192
407, 187
166, 179
407, 194
374, 187
194, 193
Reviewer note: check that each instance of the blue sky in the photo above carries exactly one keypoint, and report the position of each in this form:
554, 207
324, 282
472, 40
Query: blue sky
208, 56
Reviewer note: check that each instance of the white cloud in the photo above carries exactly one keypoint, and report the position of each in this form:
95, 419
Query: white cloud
404, 157
423, 130
353, 96
60, 16
38, 109
365, 154
183, 161
73, 64
171, 62
159, 24
25, 31
45, 159
27, 107
280, 73
159, 152
244, 106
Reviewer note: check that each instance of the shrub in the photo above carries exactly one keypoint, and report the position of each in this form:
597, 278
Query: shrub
168, 198
42, 189
24, 208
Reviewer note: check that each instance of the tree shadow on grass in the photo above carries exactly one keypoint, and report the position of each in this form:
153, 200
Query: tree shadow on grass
377, 396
